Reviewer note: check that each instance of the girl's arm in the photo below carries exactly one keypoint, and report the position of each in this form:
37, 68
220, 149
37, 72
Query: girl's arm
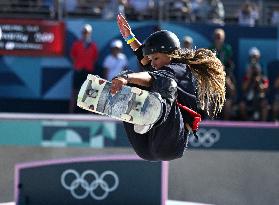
126, 32
142, 79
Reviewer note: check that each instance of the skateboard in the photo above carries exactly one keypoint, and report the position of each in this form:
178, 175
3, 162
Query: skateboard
130, 104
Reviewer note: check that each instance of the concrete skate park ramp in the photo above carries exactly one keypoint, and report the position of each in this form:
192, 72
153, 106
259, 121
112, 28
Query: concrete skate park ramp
234, 163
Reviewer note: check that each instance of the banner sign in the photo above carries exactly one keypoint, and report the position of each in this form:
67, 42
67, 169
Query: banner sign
116, 179
32, 37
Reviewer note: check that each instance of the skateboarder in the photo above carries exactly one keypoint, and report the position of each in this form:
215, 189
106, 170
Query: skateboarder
175, 74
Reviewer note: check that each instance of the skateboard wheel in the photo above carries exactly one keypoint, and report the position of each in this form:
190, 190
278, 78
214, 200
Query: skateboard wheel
91, 77
137, 91
126, 117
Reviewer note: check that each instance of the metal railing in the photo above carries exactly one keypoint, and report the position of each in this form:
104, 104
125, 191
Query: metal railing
26, 9
162, 10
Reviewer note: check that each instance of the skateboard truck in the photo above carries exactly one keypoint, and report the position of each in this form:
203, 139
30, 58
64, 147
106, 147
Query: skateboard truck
92, 93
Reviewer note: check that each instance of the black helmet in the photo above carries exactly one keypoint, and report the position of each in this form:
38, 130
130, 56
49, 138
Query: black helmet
162, 42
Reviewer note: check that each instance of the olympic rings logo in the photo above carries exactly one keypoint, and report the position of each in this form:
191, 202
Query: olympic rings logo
88, 187
207, 138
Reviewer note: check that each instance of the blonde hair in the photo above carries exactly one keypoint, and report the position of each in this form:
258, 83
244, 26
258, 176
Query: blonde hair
209, 76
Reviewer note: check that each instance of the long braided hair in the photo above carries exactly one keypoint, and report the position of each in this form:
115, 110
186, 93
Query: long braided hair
209, 76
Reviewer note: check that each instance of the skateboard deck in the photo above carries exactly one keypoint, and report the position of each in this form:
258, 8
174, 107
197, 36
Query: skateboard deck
130, 104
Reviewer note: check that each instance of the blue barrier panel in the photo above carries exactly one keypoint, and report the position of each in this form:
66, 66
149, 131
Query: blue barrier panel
61, 131
98, 132
236, 136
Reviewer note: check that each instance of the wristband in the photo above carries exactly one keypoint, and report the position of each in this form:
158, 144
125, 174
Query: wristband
131, 38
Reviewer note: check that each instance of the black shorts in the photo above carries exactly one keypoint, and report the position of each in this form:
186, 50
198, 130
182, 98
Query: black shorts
166, 141
78, 78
